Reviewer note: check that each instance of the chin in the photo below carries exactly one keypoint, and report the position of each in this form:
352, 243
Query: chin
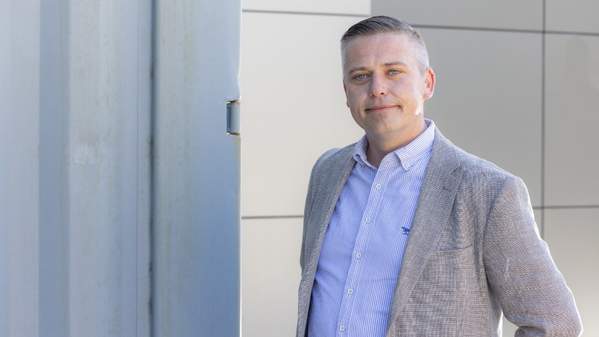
383, 131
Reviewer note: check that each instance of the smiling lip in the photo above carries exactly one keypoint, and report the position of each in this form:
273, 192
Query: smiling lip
382, 107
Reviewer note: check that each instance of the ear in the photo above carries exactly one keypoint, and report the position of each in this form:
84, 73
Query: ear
430, 78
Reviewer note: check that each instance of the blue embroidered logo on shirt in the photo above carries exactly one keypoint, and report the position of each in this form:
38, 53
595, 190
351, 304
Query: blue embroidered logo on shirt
406, 230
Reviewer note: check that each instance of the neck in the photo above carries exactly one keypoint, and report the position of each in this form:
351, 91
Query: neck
379, 146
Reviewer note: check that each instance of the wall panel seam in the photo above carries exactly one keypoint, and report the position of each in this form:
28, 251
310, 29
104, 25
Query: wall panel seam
468, 28
543, 136
570, 206
264, 11
254, 217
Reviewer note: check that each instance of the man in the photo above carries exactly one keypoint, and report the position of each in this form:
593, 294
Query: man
404, 233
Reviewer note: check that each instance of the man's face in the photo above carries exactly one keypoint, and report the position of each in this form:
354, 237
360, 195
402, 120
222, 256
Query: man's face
385, 85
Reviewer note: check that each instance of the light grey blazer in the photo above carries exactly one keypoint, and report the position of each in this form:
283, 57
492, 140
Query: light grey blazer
474, 251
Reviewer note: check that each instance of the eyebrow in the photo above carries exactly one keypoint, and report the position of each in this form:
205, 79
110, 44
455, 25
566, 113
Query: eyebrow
398, 63
388, 64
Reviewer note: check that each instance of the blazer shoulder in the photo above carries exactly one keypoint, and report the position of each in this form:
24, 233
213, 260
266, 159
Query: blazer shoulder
483, 181
482, 171
330, 158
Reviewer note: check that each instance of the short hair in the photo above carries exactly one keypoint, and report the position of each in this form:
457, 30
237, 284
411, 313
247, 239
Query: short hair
386, 24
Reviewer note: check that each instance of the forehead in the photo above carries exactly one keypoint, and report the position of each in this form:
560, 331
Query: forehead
378, 48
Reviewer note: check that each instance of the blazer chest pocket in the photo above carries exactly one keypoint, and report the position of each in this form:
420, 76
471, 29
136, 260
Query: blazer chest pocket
439, 294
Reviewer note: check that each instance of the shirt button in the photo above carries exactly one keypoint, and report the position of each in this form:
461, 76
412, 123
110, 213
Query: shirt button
378, 186
350, 291
358, 255
367, 220
342, 328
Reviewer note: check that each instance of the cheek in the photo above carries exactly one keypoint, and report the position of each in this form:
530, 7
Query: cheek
355, 98
407, 91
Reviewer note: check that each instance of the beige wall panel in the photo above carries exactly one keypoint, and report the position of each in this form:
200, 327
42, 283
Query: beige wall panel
538, 216
509, 329
539, 219
293, 106
572, 15
572, 116
328, 6
488, 97
270, 250
573, 236
507, 14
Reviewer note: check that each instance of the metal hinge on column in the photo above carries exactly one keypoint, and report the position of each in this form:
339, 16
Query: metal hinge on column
233, 117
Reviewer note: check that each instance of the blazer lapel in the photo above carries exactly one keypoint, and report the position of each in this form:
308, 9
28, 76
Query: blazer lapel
435, 202
336, 174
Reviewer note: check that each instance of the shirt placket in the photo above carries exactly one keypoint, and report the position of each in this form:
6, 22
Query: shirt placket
361, 246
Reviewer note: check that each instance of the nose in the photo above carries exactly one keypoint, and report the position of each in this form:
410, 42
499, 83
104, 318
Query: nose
378, 86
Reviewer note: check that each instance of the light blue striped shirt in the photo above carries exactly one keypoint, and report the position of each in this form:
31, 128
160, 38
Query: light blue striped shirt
365, 240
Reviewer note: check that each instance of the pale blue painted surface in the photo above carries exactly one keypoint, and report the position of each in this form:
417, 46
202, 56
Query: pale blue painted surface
75, 168
196, 206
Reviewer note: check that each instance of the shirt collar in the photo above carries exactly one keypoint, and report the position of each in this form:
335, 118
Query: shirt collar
408, 154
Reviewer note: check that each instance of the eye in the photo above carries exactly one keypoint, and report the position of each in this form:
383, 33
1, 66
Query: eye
394, 72
359, 77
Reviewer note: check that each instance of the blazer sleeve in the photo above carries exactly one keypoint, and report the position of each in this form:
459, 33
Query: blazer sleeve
310, 201
520, 270
307, 209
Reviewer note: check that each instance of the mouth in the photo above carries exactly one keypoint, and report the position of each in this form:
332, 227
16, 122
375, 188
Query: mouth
382, 107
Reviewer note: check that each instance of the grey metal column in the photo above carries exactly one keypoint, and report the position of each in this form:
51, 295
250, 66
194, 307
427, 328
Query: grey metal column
74, 168
53, 180
19, 205
196, 206
108, 167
